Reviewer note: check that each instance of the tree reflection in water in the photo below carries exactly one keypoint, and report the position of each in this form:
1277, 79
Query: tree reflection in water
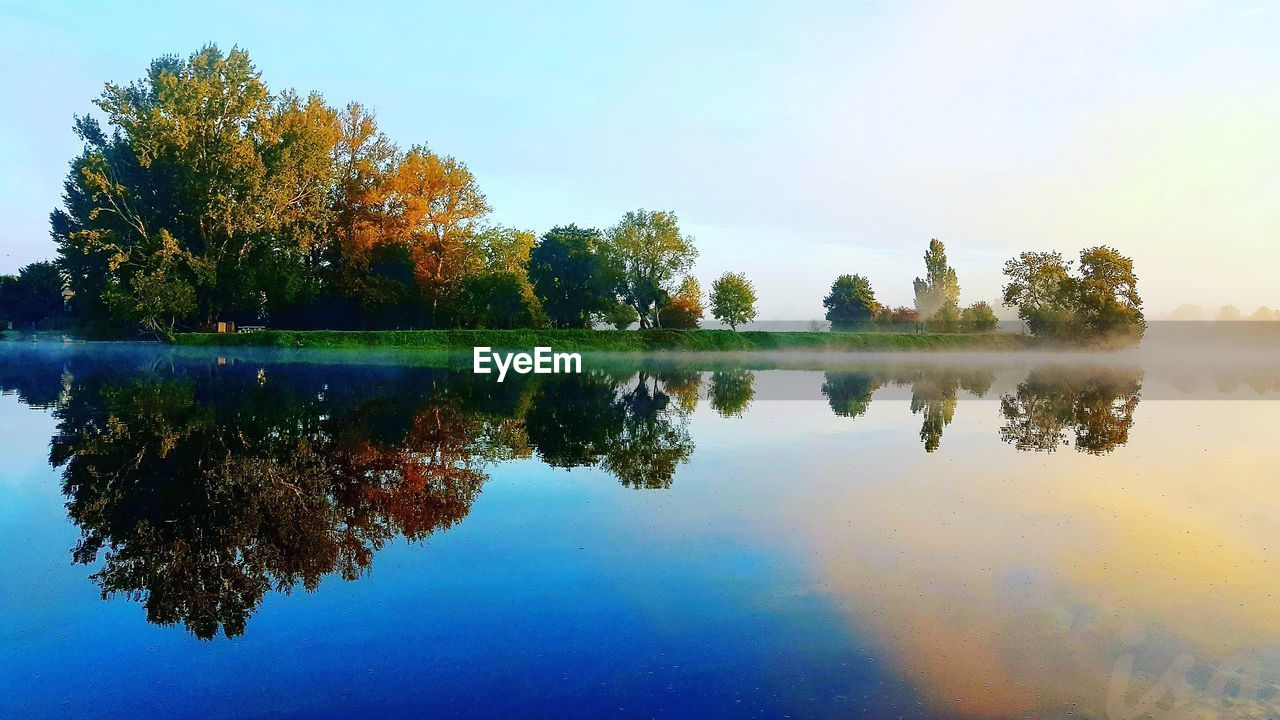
933, 393
1095, 406
202, 487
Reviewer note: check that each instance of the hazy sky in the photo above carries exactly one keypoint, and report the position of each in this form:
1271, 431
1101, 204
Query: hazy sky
796, 141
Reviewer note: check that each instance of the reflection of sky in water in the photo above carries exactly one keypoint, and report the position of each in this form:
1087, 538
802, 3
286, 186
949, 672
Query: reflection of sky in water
800, 563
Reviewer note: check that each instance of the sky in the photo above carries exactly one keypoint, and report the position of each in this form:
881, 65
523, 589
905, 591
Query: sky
796, 141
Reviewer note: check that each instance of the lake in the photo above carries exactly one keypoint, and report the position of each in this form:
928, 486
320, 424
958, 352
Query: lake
275, 534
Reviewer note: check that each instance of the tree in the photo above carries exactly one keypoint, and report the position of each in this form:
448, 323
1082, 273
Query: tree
436, 206
851, 301
733, 300
620, 316
1041, 286
31, 296
1229, 313
978, 317
684, 309
1263, 313
645, 252
568, 276
199, 150
1108, 293
1101, 300
939, 290
732, 391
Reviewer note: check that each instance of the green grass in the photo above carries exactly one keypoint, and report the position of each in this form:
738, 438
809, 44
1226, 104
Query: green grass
610, 340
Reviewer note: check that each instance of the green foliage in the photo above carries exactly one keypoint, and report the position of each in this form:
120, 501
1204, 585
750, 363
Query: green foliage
732, 391
610, 340
569, 276
645, 252
978, 317
733, 300
619, 316
31, 296
204, 178
1101, 301
499, 300
851, 301
939, 290
684, 310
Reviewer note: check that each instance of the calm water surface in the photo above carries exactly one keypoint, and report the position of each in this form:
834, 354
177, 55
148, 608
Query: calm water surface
221, 534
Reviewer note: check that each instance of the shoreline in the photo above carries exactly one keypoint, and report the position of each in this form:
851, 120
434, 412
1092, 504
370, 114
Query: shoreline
614, 340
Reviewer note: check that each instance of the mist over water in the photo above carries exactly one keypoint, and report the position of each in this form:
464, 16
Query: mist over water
374, 533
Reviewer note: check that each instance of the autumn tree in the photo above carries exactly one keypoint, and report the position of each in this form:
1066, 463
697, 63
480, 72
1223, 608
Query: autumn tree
683, 311
435, 208
1100, 300
646, 252
1108, 292
733, 300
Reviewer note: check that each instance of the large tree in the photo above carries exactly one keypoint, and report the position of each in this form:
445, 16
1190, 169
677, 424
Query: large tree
569, 276
938, 292
850, 301
1102, 299
646, 252
206, 178
436, 207
33, 295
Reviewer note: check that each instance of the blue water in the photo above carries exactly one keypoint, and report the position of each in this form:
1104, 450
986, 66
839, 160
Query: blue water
815, 552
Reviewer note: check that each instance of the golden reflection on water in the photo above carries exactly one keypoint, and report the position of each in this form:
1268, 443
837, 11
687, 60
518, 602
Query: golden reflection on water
1011, 584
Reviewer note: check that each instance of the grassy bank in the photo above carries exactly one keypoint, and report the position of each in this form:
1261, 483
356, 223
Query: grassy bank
609, 340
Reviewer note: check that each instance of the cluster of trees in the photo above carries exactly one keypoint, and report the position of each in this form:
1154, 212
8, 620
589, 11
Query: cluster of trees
32, 296
1090, 409
206, 197
1226, 313
852, 303
1100, 299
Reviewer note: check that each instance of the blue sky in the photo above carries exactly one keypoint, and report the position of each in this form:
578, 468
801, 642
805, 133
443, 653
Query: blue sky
796, 141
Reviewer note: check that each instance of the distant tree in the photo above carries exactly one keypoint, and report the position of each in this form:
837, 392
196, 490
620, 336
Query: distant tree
850, 301
939, 290
568, 275
683, 310
1187, 312
733, 300
978, 317
1263, 313
1229, 313
646, 252
33, 295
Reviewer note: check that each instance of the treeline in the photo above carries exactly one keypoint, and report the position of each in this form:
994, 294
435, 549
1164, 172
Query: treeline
205, 197
1099, 300
208, 198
